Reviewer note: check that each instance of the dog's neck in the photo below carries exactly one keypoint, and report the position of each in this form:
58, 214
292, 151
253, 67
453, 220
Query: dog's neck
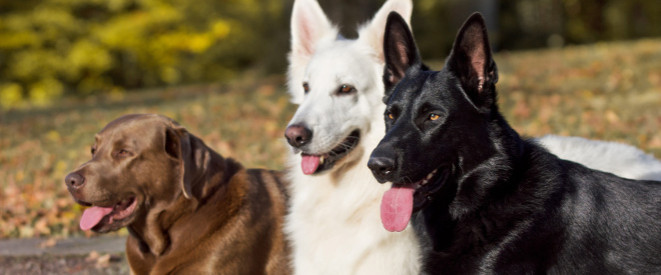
481, 169
154, 230
496, 175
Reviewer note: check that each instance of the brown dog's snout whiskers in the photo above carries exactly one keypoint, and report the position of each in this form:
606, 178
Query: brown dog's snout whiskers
74, 180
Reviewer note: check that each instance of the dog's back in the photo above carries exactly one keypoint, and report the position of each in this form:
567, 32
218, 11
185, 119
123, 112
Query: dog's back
612, 225
554, 216
575, 220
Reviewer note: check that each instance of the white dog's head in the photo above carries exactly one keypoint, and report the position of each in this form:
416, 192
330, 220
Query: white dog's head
337, 83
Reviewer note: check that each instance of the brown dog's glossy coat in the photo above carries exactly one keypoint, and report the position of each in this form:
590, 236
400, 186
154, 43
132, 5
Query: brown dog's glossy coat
197, 212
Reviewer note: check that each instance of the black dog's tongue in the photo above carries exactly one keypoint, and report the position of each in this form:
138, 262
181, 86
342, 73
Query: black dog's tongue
396, 208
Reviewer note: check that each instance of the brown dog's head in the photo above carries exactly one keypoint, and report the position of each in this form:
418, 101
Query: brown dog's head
139, 162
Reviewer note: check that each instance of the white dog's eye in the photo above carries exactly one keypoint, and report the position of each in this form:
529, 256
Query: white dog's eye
306, 87
346, 89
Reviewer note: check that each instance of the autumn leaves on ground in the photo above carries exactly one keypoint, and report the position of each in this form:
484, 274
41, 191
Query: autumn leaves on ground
602, 91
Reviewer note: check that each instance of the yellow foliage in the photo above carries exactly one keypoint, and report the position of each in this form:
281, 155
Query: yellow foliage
41, 93
87, 55
17, 40
220, 29
170, 75
10, 95
86, 46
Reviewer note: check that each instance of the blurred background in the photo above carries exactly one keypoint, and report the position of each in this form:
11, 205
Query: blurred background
590, 68
54, 48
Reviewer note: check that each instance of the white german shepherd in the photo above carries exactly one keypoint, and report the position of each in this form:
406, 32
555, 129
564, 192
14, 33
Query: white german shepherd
334, 223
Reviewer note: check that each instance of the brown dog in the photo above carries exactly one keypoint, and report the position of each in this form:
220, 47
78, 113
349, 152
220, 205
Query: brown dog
188, 210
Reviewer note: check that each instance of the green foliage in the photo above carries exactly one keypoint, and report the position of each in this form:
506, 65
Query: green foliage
52, 47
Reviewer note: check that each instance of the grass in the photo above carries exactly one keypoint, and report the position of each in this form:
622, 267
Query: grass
602, 91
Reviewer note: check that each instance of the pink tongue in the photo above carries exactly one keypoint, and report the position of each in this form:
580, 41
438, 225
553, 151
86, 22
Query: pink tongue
396, 208
309, 164
93, 216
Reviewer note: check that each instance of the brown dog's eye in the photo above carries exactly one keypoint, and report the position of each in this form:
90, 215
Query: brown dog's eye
122, 153
93, 150
306, 88
346, 89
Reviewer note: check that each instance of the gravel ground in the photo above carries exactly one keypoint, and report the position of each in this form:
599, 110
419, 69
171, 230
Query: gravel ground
78, 255
67, 264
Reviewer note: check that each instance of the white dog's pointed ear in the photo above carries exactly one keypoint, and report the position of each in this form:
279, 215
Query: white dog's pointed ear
373, 31
309, 24
309, 27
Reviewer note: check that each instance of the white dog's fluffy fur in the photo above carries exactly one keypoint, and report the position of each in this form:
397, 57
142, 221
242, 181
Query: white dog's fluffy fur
334, 220
617, 158
334, 223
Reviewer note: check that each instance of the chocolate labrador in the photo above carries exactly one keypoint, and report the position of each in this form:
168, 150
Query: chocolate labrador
188, 209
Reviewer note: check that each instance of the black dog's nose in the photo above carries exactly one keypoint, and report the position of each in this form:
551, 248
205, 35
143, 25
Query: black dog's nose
298, 135
74, 180
382, 167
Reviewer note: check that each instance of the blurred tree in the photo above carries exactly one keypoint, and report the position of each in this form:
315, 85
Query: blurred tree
53, 47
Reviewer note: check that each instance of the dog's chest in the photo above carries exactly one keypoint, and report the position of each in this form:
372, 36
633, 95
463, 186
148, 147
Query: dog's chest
336, 230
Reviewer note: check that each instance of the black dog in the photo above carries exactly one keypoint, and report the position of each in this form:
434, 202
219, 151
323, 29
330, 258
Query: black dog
483, 199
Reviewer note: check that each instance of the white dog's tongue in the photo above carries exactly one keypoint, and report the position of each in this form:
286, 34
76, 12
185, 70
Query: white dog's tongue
309, 164
92, 216
396, 208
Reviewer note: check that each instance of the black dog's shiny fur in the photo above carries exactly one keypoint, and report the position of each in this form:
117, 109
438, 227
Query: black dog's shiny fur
500, 204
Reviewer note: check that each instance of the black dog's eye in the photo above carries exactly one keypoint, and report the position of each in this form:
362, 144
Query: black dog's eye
346, 89
433, 116
392, 113
306, 88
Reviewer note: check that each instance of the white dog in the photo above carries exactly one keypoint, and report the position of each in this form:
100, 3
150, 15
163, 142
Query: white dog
334, 223
620, 159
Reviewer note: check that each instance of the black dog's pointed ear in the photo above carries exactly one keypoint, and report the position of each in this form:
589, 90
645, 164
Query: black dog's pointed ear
399, 49
471, 61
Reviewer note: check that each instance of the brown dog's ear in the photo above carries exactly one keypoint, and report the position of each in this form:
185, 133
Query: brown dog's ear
178, 145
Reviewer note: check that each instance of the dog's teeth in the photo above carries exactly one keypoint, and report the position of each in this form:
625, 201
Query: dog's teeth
321, 160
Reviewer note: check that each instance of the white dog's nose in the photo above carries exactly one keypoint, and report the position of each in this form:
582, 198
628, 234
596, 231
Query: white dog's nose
298, 135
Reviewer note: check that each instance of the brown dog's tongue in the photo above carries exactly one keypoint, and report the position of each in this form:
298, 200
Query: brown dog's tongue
309, 164
92, 216
396, 208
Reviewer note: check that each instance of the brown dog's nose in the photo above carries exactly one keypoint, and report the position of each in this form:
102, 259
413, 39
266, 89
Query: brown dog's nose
298, 135
74, 180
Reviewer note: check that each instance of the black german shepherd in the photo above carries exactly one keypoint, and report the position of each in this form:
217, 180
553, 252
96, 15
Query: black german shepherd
481, 198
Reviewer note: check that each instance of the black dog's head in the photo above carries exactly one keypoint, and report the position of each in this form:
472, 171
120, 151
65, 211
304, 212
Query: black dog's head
437, 122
